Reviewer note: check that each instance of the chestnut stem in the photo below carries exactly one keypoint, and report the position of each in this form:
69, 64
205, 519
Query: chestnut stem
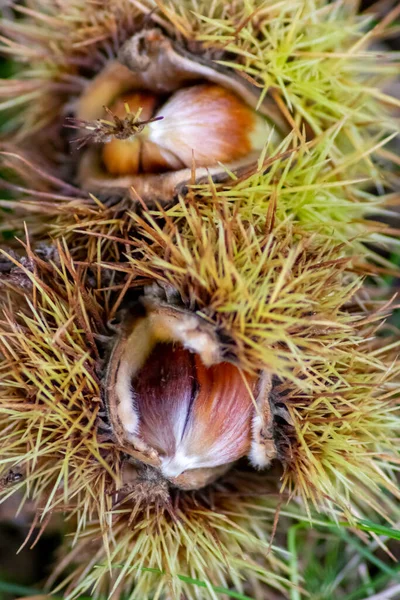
102, 131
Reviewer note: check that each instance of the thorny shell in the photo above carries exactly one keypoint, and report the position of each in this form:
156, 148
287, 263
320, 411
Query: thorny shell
150, 62
176, 403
